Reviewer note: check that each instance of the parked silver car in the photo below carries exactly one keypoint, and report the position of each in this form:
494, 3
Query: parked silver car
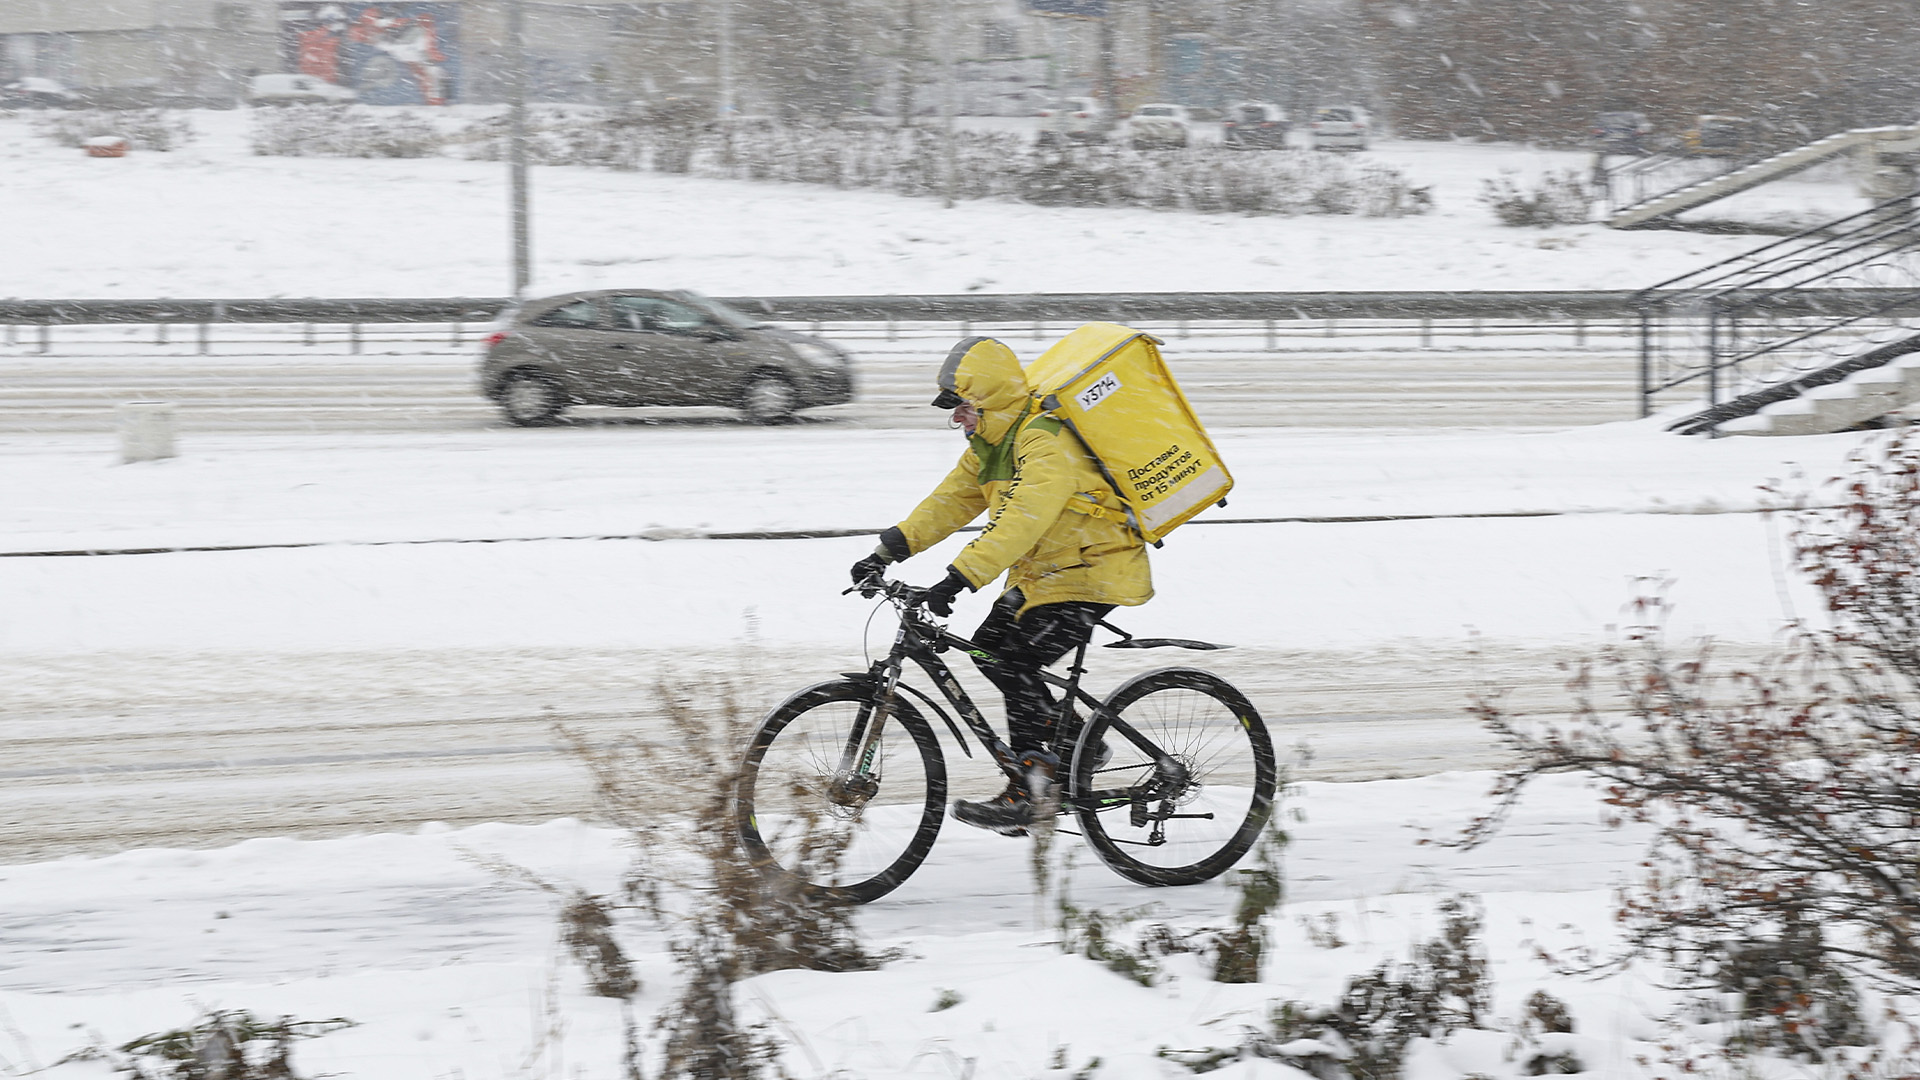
1160, 125
1339, 127
630, 347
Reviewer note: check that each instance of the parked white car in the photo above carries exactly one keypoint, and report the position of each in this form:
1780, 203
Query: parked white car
1340, 127
297, 89
1160, 125
1072, 119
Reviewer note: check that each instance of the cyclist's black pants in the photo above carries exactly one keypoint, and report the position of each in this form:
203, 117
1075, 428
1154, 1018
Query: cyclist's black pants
1025, 645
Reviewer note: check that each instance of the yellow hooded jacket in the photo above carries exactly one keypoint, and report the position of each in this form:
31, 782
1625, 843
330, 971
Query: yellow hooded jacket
1029, 475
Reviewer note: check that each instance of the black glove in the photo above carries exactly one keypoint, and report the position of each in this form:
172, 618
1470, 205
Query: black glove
869, 566
940, 597
892, 549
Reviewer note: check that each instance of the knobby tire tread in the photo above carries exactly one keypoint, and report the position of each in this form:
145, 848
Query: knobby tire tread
1266, 778
932, 809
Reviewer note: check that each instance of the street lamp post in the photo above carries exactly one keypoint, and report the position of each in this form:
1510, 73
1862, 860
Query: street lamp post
517, 147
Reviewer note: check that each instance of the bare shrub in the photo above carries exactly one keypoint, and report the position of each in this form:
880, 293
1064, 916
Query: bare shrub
228, 1044
586, 929
1786, 861
144, 129
1560, 198
727, 920
1238, 949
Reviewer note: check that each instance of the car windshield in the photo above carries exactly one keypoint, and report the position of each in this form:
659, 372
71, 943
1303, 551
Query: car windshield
721, 313
1161, 111
1336, 114
1252, 114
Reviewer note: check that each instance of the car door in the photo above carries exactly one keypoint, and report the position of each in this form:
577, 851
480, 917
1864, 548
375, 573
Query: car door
676, 355
577, 346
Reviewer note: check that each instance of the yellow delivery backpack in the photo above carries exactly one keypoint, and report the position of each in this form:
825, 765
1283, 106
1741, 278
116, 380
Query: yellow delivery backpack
1109, 386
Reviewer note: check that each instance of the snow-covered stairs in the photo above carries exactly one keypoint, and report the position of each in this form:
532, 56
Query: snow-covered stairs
1782, 164
1872, 380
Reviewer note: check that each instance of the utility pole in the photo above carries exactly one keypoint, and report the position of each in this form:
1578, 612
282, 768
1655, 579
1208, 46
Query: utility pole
909, 62
517, 147
946, 97
1109, 96
725, 104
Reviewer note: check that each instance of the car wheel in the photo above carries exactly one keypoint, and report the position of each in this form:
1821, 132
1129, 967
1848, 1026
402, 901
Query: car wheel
768, 398
531, 398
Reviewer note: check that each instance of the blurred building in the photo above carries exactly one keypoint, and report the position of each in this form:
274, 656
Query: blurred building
813, 57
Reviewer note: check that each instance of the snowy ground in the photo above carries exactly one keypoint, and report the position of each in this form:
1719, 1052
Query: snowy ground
210, 220
128, 678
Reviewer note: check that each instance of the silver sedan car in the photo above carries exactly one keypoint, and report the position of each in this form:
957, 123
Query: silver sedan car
630, 347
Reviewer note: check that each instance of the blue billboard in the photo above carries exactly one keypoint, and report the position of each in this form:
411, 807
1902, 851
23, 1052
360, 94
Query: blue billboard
1076, 9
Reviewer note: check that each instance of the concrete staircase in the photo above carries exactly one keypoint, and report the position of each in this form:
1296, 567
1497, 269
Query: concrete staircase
1866, 382
1653, 210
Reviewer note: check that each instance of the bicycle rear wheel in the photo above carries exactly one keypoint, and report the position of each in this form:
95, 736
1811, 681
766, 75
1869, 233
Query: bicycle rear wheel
808, 813
1157, 830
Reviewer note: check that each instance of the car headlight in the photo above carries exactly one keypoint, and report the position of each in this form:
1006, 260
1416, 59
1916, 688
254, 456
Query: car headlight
818, 355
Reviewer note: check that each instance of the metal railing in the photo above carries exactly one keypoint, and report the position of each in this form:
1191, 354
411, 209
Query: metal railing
1784, 310
1276, 321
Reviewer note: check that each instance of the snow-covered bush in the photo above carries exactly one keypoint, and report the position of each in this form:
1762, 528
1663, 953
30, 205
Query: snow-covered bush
341, 131
984, 165
1560, 198
1366, 1035
144, 129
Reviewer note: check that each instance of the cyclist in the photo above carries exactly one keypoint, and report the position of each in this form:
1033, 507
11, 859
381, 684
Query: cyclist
1053, 525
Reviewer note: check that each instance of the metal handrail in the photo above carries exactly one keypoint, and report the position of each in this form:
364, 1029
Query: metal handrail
963, 307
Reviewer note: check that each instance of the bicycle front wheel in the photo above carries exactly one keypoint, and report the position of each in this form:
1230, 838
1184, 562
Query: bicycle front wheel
812, 811
1157, 827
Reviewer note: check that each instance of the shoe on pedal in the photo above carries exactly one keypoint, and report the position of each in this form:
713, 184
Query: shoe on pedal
1008, 813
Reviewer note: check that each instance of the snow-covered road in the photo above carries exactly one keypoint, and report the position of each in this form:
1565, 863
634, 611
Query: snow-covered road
368, 667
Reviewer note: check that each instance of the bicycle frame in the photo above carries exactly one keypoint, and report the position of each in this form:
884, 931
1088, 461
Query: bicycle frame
922, 640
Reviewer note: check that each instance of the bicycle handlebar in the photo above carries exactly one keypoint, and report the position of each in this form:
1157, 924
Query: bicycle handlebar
876, 584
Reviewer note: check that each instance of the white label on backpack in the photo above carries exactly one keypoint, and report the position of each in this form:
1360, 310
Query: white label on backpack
1102, 388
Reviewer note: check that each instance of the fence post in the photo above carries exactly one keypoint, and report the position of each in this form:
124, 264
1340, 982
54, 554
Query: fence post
206, 338
1273, 340
46, 338
353, 338
455, 340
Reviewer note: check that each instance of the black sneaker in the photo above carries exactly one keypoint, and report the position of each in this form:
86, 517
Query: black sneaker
1008, 813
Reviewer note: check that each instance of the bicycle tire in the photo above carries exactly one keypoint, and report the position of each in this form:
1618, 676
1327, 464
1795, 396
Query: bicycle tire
786, 774
1202, 721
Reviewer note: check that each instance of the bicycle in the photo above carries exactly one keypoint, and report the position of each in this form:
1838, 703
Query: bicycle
1171, 778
